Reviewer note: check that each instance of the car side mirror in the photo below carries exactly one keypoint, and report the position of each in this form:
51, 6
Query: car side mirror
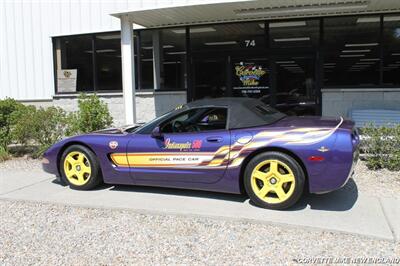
156, 133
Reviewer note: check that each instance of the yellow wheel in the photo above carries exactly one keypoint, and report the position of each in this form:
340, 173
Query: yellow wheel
79, 168
274, 180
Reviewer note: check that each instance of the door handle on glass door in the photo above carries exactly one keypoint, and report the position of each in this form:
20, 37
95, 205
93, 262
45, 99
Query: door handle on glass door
214, 139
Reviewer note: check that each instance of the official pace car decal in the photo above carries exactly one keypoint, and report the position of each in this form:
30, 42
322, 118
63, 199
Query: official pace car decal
189, 154
176, 159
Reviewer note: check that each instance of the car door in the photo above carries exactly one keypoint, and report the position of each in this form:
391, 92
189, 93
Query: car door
190, 147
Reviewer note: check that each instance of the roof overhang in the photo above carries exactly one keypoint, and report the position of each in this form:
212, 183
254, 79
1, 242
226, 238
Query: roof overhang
247, 10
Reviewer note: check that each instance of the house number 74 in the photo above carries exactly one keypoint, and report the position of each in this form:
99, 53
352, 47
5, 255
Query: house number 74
250, 43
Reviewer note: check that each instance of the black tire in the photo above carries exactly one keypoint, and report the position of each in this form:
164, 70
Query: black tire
299, 180
95, 177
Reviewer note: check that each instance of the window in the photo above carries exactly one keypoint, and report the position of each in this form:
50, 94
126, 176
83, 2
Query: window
146, 78
108, 62
351, 46
391, 50
296, 33
86, 63
196, 120
173, 65
74, 57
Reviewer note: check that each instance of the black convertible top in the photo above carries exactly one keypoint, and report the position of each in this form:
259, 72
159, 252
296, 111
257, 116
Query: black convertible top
243, 111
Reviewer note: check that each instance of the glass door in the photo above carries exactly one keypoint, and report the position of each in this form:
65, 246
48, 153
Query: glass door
295, 86
209, 77
250, 77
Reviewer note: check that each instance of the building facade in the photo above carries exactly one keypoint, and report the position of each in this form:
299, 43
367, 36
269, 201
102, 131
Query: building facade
143, 58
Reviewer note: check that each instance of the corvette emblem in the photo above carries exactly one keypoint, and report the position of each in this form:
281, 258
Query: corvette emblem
113, 145
323, 149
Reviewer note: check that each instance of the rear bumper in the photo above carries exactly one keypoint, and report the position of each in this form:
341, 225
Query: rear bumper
354, 163
356, 156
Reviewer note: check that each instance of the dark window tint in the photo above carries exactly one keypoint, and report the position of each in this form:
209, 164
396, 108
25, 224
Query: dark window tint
297, 33
173, 59
74, 63
351, 51
196, 120
146, 60
88, 63
391, 50
108, 62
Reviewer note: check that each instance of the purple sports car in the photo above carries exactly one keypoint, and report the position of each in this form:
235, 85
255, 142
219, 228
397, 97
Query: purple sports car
231, 145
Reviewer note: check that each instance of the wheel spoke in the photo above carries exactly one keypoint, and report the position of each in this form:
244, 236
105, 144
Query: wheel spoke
260, 175
70, 160
86, 169
69, 173
280, 193
81, 158
273, 167
286, 178
80, 177
263, 191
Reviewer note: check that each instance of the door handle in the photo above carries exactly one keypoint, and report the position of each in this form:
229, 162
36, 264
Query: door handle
214, 139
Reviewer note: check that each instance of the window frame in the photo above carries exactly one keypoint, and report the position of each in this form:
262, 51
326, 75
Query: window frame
94, 65
167, 120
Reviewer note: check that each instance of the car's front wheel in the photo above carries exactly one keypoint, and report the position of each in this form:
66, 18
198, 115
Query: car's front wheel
80, 168
274, 180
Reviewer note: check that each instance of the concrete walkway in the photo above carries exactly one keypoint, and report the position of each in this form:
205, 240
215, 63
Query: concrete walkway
344, 210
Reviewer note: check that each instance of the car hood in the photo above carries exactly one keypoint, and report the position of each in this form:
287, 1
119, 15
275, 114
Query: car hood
117, 130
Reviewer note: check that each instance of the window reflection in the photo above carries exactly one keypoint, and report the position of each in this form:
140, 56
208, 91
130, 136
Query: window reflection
391, 50
296, 92
173, 58
351, 51
108, 61
298, 33
74, 57
146, 60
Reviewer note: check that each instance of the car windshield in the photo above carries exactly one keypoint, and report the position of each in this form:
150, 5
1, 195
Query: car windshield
146, 128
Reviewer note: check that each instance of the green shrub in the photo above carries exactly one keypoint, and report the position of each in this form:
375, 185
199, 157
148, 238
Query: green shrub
4, 155
92, 115
382, 147
22, 124
43, 127
7, 108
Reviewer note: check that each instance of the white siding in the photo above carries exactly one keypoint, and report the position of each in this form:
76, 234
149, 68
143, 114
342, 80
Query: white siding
26, 28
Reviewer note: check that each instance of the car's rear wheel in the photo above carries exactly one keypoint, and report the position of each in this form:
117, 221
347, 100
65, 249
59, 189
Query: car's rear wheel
274, 180
80, 168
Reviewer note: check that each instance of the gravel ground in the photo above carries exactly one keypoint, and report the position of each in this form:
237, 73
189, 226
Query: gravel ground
46, 234
381, 183
21, 163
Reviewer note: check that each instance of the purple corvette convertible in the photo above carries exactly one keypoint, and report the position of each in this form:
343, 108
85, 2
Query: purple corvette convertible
231, 145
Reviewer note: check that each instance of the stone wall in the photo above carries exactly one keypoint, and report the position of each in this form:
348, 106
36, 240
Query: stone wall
114, 101
339, 102
149, 104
